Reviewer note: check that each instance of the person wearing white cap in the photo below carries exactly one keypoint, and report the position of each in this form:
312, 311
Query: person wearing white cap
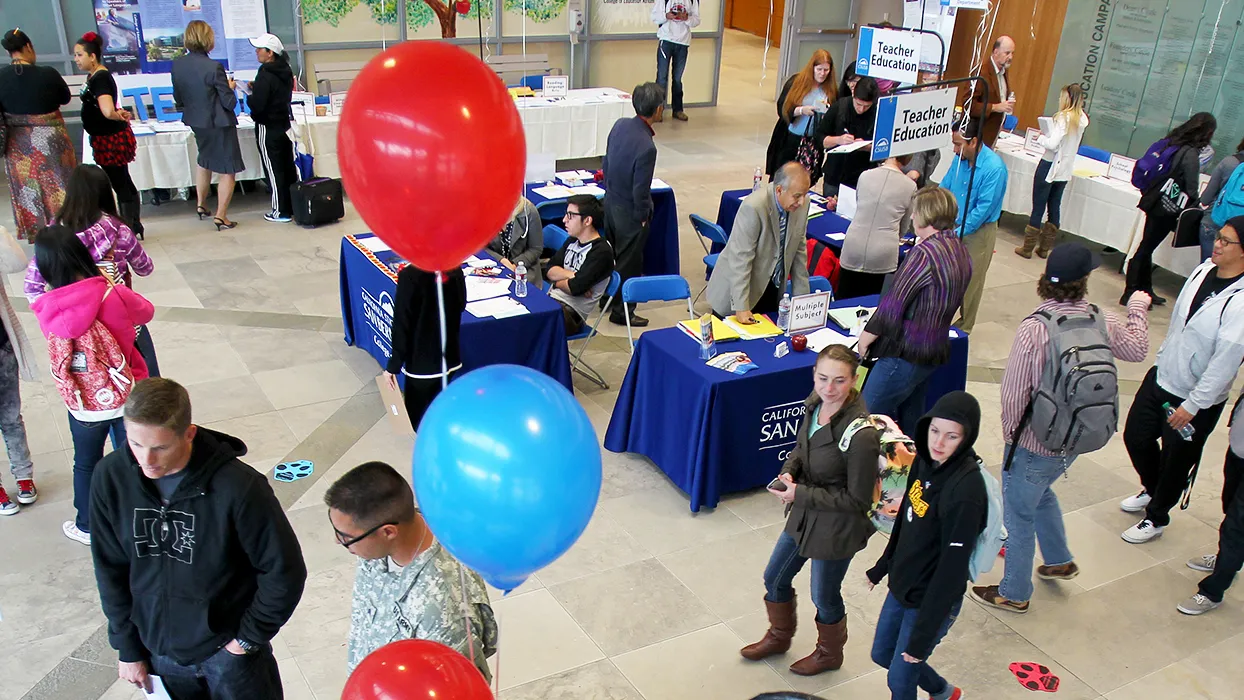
269, 100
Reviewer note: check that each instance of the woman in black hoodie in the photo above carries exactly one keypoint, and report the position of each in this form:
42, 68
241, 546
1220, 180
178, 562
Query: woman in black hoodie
927, 558
269, 104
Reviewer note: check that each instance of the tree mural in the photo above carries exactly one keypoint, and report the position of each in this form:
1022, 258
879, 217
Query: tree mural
421, 13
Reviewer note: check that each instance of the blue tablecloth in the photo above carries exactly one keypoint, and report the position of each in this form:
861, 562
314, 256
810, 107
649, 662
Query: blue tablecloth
713, 432
368, 287
661, 251
819, 227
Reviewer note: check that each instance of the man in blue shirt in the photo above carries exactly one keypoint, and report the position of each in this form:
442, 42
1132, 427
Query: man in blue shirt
983, 211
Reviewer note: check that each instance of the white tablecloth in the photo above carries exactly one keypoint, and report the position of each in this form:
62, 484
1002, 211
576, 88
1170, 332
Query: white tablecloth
575, 127
166, 159
1096, 208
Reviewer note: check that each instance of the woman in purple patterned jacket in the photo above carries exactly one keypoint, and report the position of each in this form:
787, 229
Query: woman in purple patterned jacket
909, 335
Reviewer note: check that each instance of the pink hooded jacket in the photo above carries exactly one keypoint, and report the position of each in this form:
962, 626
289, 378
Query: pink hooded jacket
69, 311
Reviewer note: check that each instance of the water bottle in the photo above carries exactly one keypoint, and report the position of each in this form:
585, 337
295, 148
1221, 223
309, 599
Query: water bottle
784, 313
520, 281
757, 177
1185, 432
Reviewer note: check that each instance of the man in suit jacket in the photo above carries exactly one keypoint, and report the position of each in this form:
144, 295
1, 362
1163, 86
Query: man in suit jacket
766, 246
630, 159
996, 72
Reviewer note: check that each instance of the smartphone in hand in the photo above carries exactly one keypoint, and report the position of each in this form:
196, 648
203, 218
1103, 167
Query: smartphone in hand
777, 485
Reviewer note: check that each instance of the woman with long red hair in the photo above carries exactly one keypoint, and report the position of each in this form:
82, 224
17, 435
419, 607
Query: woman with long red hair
805, 97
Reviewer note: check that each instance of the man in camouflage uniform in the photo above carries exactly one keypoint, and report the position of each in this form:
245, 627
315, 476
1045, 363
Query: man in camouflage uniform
406, 586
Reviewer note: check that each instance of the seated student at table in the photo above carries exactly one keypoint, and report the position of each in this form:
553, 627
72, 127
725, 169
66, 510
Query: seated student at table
827, 491
579, 271
521, 240
870, 250
910, 331
416, 335
766, 246
850, 119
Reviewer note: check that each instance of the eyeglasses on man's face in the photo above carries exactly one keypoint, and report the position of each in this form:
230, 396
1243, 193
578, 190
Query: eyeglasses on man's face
346, 540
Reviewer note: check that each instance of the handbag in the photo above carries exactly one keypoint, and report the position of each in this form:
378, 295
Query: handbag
1188, 228
810, 154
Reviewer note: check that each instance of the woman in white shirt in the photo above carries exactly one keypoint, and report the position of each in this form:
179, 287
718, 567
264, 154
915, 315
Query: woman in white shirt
1054, 171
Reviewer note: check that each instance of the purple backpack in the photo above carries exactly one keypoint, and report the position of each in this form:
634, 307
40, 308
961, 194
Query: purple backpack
1152, 168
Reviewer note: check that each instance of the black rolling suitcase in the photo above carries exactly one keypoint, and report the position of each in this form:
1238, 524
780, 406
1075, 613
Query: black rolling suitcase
317, 201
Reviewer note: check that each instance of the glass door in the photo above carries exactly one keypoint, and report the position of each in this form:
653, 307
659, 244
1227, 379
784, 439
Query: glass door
817, 24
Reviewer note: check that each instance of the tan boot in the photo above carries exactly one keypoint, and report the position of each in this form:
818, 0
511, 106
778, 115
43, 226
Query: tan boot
777, 639
1048, 233
828, 653
1030, 241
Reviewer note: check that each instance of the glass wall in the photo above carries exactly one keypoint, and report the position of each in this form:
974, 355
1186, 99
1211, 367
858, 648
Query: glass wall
1147, 65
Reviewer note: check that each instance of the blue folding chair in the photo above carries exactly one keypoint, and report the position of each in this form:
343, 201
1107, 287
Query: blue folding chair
1099, 154
713, 234
638, 290
554, 237
816, 283
1010, 122
552, 210
578, 365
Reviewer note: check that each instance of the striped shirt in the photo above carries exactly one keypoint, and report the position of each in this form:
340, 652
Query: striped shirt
912, 321
1129, 341
108, 238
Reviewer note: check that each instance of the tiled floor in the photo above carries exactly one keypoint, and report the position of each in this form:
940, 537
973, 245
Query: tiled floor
652, 602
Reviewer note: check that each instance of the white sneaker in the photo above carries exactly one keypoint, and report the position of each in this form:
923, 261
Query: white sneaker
72, 532
1142, 532
1204, 563
1135, 504
276, 218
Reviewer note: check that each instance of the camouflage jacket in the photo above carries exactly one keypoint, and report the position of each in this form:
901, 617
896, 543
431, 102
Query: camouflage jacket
422, 600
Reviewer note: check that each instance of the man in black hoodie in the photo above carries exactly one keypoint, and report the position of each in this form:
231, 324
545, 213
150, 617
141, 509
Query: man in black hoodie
197, 565
269, 100
927, 558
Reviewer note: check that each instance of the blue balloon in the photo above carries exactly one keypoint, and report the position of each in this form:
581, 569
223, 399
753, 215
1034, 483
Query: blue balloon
507, 471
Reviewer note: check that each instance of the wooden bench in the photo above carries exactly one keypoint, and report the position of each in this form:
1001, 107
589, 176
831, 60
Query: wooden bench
514, 67
326, 73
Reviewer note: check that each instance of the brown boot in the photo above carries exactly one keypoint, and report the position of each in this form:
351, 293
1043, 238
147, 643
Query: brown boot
1048, 233
777, 639
828, 654
1030, 241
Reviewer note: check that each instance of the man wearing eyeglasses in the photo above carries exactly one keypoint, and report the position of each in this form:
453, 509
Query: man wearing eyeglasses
197, 565
1192, 378
406, 586
579, 272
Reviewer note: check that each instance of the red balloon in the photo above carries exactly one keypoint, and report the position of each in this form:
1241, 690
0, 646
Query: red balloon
415, 669
432, 152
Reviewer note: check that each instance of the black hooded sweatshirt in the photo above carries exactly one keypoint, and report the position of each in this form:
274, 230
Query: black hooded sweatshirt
271, 94
219, 561
942, 513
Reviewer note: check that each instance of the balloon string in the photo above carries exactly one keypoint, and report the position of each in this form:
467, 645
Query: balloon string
764, 60
466, 613
440, 297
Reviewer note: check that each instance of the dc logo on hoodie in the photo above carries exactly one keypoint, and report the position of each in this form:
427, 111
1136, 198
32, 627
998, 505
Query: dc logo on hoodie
171, 536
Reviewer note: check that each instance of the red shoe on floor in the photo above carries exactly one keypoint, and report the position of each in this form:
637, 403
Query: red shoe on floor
26, 491
7, 507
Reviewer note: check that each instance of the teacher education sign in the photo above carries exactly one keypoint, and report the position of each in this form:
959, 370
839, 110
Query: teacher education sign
913, 122
889, 54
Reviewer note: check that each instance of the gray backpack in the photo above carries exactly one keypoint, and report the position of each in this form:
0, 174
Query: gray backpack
1075, 407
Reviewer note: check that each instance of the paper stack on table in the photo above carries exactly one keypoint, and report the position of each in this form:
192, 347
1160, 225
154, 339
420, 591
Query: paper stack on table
141, 128
479, 288
553, 192
819, 340
762, 328
374, 244
497, 307
659, 184
167, 127
591, 190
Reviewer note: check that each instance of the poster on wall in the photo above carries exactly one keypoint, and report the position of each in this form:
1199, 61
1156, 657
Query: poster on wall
363, 20
931, 15
623, 16
146, 35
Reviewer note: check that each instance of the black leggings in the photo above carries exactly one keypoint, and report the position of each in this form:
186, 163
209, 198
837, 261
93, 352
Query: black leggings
119, 176
1140, 269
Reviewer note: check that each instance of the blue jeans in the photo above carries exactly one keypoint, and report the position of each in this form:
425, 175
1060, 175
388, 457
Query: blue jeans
896, 388
1209, 231
222, 676
827, 575
1031, 514
1046, 196
88, 449
894, 628
667, 52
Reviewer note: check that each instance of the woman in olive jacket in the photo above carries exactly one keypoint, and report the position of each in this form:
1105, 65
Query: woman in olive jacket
827, 492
